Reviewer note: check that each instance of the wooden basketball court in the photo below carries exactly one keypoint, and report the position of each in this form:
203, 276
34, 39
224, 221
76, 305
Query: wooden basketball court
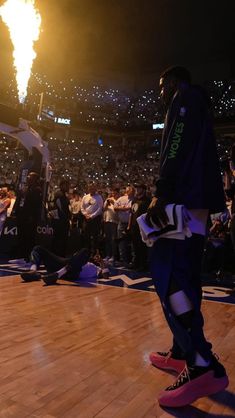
81, 351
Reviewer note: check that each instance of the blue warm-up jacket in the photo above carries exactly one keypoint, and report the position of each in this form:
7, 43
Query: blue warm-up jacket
189, 171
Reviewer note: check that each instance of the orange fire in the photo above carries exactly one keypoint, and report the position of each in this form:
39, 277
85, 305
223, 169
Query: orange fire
23, 21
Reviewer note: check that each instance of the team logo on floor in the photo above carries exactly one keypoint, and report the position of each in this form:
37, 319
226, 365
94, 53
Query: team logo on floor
213, 289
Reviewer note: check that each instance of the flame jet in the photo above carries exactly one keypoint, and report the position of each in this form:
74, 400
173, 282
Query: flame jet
23, 21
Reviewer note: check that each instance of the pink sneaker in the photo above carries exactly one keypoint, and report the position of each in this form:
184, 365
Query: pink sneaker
193, 383
165, 361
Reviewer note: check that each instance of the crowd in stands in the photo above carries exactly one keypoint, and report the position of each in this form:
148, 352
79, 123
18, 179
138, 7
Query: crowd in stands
222, 95
105, 217
104, 220
95, 105
80, 161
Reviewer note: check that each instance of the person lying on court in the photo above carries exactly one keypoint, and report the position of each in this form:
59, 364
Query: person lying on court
68, 268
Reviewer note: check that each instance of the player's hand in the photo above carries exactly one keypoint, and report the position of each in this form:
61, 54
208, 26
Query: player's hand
156, 213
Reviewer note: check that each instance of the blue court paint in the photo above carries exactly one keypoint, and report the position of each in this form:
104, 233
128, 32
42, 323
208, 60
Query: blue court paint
213, 289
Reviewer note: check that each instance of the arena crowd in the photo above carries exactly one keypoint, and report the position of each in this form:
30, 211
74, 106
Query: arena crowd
120, 170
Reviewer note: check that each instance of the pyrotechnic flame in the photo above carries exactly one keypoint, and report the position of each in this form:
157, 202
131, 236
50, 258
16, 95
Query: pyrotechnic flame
23, 21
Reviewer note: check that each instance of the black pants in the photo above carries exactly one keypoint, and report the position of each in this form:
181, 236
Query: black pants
92, 233
27, 237
110, 236
178, 263
53, 262
140, 249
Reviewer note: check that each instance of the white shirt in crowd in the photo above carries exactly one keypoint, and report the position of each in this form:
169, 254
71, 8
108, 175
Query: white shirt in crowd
124, 201
92, 205
109, 213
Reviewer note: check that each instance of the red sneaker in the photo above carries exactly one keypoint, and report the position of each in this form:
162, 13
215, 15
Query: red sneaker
193, 383
165, 361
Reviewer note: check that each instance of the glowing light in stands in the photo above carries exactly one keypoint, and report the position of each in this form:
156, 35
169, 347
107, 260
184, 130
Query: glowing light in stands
158, 125
98, 106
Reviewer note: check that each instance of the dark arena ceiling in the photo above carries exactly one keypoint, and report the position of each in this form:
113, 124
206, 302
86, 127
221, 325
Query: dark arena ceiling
130, 39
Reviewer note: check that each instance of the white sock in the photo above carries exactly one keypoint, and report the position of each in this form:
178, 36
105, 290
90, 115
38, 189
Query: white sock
180, 303
33, 267
62, 271
200, 361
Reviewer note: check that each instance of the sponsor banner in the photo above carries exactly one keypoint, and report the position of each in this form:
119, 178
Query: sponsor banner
9, 236
44, 234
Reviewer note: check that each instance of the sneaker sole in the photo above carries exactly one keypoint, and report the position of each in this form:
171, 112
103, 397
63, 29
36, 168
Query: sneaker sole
167, 364
49, 281
200, 387
28, 279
